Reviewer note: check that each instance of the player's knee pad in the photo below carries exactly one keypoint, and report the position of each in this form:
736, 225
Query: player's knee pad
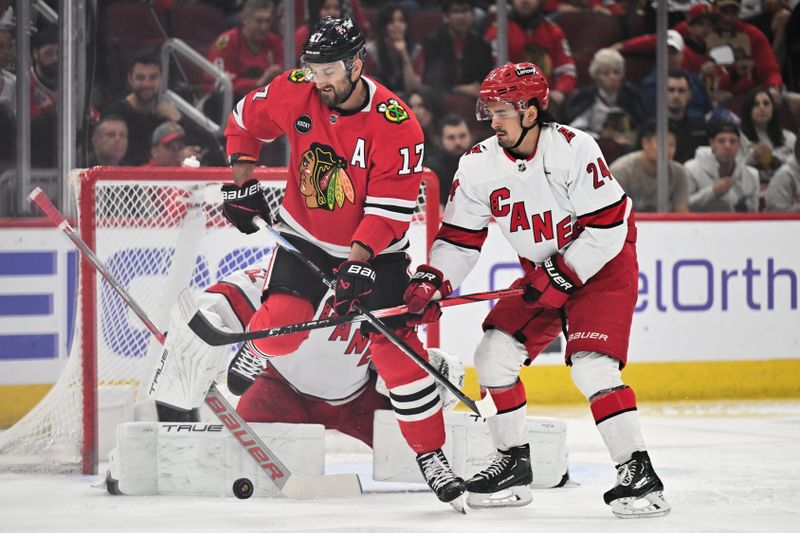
593, 372
498, 359
280, 309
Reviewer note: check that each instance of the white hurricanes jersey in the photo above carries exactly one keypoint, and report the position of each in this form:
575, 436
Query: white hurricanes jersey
332, 364
562, 199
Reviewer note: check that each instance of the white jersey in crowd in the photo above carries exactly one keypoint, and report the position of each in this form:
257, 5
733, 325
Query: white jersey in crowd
332, 364
561, 199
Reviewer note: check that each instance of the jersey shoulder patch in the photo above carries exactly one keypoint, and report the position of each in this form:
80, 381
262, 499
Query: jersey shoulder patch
222, 41
393, 111
567, 133
297, 76
477, 149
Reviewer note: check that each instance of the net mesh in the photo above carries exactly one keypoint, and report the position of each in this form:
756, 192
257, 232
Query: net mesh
156, 236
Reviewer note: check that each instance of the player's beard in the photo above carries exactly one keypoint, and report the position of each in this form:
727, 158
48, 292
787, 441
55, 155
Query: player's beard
335, 97
505, 141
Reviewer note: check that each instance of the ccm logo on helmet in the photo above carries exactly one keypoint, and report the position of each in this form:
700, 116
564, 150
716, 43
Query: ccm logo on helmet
526, 70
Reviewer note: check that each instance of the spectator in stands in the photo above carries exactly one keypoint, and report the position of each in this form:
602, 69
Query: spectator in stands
532, 37
8, 81
429, 109
455, 140
609, 108
44, 71
141, 109
169, 148
699, 103
636, 173
754, 61
765, 144
783, 192
252, 55
719, 178
392, 53
772, 23
692, 128
317, 10
109, 141
455, 58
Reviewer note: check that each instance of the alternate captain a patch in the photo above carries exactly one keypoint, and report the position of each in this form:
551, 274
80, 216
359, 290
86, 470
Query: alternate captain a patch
393, 111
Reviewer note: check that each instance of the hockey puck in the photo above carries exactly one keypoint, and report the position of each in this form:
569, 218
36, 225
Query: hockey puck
243, 488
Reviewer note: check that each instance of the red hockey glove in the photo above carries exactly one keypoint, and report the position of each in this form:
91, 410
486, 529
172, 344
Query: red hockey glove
421, 288
241, 204
354, 281
553, 282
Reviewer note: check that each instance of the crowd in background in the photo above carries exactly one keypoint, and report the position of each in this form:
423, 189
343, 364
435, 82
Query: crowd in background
733, 88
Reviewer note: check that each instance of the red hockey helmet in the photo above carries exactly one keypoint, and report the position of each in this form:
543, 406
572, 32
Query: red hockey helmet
516, 84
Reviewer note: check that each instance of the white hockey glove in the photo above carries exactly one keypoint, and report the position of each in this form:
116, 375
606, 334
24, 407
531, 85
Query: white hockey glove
187, 365
449, 366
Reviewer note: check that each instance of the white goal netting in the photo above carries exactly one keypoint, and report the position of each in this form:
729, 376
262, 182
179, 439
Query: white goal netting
157, 231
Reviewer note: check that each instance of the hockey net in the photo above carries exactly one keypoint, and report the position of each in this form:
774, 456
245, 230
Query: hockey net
158, 231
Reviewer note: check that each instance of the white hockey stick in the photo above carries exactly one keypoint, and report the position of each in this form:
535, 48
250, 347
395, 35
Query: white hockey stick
296, 486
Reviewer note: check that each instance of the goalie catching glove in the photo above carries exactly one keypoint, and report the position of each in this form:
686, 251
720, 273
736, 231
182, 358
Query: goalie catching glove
353, 286
552, 283
241, 204
419, 295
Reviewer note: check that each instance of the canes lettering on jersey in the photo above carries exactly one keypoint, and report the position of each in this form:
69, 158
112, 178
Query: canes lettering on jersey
548, 204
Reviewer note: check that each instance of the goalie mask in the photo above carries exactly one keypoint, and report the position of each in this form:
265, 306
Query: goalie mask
518, 84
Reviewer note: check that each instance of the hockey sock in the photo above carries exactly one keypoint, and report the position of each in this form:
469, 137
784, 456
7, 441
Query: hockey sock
617, 421
280, 309
508, 427
412, 392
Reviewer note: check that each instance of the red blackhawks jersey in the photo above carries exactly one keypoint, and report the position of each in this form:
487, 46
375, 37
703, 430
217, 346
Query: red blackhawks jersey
332, 364
562, 199
353, 175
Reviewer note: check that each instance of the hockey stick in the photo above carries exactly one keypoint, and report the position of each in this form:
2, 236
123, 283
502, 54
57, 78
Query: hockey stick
297, 486
217, 337
484, 407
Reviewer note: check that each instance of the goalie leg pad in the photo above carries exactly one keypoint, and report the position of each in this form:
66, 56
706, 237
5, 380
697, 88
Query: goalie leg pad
281, 309
498, 359
204, 459
470, 449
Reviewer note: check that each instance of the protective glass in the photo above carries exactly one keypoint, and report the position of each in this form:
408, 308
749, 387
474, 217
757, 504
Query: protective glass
482, 111
324, 71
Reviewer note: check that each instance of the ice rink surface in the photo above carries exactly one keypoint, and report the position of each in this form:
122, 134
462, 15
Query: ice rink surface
727, 467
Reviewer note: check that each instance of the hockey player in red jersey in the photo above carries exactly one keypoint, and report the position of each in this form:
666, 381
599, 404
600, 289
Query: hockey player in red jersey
550, 191
354, 175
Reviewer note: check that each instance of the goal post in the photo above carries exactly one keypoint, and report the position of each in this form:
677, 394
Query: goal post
158, 230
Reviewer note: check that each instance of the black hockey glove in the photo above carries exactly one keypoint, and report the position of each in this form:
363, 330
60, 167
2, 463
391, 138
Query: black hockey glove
354, 281
241, 204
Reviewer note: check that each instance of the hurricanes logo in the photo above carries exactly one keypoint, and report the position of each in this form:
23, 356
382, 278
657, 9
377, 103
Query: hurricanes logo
393, 111
323, 179
297, 76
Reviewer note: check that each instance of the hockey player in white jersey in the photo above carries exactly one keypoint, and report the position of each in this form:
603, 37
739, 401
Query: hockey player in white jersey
328, 380
550, 191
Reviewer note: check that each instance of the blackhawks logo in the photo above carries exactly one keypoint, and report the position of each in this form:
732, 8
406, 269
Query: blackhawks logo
323, 179
297, 76
393, 111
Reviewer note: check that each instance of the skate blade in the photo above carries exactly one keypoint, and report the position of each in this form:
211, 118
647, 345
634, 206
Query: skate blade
459, 504
519, 496
648, 506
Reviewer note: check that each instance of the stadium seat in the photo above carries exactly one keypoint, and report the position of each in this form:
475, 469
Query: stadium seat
197, 24
129, 27
587, 32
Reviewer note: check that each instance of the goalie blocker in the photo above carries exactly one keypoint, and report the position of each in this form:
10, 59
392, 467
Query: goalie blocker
202, 459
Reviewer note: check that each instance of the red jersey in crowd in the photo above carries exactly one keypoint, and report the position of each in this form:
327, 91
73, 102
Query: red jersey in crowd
544, 45
43, 98
231, 53
353, 175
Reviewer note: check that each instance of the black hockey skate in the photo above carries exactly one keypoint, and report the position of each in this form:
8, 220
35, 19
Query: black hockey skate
504, 483
243, 370
638, 492
447, 486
